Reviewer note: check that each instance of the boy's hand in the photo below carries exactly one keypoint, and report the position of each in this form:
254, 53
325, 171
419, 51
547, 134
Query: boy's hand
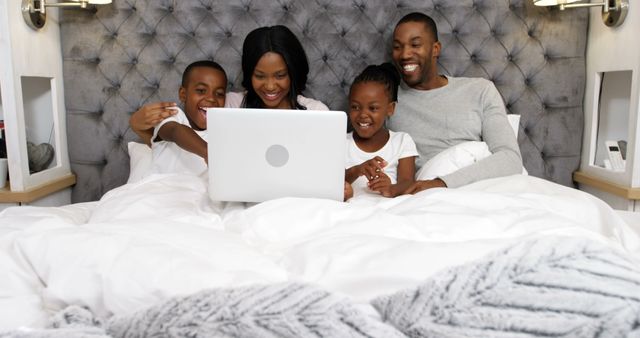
382, 184
372, 168
149, 115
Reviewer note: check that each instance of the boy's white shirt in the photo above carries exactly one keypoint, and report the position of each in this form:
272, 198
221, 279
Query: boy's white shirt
168, 157
400, 145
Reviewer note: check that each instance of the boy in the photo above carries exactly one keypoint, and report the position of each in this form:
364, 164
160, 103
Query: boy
204, 85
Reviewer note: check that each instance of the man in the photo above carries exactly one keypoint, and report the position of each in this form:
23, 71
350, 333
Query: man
440, 112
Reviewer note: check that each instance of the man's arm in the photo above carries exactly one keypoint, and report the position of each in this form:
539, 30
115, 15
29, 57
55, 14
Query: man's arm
418, 186
185, 137
505, 158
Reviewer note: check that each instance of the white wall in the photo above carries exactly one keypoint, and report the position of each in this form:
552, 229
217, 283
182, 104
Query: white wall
612, 49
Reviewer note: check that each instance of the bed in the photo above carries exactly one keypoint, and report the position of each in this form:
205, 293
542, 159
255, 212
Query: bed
136, 255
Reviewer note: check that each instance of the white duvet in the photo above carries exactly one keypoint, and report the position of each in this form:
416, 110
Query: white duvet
162, 236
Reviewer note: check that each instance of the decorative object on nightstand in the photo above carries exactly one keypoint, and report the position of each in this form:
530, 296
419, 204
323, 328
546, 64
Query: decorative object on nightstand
40, 156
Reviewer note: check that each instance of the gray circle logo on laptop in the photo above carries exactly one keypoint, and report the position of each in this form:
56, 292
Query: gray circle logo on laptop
277, 155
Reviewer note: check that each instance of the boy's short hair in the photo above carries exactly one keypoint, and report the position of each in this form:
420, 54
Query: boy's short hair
201, 63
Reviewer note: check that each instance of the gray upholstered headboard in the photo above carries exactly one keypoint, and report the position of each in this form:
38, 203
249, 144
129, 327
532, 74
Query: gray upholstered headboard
123, 55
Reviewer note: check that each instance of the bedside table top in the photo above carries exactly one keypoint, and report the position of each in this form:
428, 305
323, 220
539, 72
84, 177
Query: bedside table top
35, 193
604, 185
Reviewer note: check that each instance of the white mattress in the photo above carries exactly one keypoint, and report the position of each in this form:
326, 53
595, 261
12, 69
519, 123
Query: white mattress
631, 218
162, 236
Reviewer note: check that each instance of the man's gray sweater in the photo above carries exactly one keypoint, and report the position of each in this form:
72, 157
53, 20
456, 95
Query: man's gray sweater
466, 109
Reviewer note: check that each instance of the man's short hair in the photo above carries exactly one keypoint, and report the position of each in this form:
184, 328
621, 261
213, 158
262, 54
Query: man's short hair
428, 22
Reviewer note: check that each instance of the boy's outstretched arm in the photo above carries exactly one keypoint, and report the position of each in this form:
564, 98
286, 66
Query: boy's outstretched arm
185, 137
146, 118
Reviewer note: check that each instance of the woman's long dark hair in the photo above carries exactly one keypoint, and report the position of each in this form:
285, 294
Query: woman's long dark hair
280, 40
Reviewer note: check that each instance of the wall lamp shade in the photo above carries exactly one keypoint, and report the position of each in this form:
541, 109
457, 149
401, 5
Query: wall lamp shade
613, 11
34, 11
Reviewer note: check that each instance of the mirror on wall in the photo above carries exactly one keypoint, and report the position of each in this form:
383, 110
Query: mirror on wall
613, 120
39, 123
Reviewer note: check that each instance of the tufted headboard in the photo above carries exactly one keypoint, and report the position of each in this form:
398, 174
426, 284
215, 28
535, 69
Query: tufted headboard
123, 55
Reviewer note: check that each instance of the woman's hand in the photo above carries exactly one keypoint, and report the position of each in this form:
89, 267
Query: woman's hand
146, 118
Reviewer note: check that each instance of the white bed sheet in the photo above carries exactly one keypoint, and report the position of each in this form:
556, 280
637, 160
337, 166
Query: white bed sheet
162, 236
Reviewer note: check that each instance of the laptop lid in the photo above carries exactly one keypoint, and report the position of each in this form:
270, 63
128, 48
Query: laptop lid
261, 154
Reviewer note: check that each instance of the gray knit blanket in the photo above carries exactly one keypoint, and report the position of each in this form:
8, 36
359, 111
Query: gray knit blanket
550, 287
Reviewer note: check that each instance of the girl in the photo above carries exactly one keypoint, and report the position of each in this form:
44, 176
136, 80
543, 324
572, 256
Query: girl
377, 158
275, 70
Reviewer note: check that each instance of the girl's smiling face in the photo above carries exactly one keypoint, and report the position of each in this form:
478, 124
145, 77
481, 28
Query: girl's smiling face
369, 106
271, 81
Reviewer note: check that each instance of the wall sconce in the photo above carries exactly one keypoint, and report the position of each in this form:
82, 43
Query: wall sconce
613, 11
33, 11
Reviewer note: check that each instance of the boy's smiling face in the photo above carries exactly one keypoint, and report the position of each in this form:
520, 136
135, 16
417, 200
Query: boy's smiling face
206, 88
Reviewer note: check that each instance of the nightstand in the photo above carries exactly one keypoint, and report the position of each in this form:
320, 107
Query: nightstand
618, 196
53, 193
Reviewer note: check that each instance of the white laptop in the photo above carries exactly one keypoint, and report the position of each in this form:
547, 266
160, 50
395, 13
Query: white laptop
261, 154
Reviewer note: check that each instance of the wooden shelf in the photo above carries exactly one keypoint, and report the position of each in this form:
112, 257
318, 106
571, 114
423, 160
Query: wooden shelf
601, 184
35, 193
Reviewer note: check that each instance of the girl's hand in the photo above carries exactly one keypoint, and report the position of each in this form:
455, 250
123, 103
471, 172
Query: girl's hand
372, 168
348, 191
382, 184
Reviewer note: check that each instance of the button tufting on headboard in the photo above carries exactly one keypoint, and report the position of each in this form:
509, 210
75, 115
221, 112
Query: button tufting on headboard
133, 52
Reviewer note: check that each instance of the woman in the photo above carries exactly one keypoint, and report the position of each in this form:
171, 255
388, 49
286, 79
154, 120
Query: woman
275, 70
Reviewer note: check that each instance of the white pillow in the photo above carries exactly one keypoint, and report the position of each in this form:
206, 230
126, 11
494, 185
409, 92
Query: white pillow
461, 155
140, 161
452, 159
514, 121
